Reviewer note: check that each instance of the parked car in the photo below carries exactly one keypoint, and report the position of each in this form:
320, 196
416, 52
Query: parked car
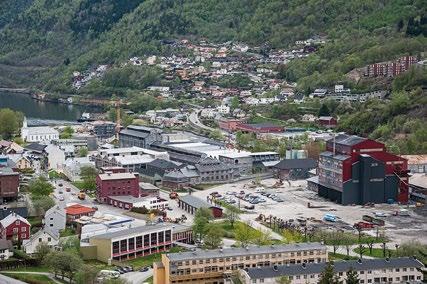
128, 268
144, 269
249, 207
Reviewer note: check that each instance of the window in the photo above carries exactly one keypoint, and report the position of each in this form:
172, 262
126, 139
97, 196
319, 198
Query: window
23, 229
15, 230
40, 240
49, 239
23, 235
17, 222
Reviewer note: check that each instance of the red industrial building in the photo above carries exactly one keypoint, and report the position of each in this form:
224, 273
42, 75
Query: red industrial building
116, 184
15, 227
356, 170
260, 128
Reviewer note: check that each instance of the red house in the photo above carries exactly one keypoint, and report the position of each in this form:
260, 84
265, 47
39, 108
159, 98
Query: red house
9, 184
117, 184
14, 227
327, 121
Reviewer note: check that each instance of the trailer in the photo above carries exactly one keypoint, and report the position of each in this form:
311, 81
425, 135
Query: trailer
363, 225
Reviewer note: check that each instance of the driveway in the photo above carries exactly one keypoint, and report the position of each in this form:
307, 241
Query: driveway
137, 277
7, 280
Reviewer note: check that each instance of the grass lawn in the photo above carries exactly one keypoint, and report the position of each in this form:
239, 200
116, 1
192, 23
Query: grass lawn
68, 232
35, 221
99, 265
78, 184
32, 269
376, 252
148, 260
338, 256
31, 278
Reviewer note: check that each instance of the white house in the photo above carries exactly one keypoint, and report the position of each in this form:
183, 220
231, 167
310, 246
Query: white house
223, 109
5, 249
55, 157
38, 134
71, 167
42, 236
55, 219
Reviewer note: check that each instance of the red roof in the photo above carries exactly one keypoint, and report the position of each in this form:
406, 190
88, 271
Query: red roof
78, 209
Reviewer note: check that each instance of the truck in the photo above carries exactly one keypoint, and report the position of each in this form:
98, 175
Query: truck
81, 195
375, 221
363, 225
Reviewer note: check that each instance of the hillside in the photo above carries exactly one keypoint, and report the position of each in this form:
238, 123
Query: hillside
71, 35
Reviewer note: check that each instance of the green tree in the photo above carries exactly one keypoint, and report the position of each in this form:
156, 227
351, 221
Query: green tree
352, 277
88, 175
201, 221
42, 250
42, 203
328, 276
235, 103
83, 151
232, 213
283, 280
86, 275
244, 234
324, 110
10, 122
40, 187
216, 134
64, 263
213, 237
67, 132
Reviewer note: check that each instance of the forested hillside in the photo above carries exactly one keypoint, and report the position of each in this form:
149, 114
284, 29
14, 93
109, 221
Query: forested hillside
83, 32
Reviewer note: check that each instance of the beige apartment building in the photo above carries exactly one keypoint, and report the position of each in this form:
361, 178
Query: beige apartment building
213, 266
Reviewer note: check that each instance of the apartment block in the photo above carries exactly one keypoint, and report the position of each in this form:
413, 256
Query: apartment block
213, 266
136, 242
394, 270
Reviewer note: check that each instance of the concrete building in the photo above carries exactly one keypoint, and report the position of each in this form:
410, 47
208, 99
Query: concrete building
128, 202
9, 184
118, 184
213, 266
191, 204
139, 136
394, 270
136, 242
356, 170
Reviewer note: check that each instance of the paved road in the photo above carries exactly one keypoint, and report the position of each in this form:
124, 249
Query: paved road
193, 118
7, 280
137, 277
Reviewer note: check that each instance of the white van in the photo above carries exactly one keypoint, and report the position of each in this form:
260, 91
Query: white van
108, 274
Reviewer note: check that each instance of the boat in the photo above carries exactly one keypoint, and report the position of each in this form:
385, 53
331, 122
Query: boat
85, 117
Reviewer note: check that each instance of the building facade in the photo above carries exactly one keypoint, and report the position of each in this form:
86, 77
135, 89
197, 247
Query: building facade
191, 204
15, 228
213, 266
119, 184
139, 136
394, 270
136, 242
9, 184
356, 170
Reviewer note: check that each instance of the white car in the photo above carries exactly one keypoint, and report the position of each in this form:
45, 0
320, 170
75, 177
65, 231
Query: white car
380, 214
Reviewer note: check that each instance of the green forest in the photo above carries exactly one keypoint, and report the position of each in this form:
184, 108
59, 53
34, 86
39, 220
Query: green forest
46, 40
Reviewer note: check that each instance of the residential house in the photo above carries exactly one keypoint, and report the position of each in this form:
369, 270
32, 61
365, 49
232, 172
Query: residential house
55, 219
9, 184
15, 228
6, 249
21, 162
327, 121
45, 236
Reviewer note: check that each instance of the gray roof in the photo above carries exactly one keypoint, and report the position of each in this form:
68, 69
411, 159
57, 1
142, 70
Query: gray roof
195, 202
347, 140
230, 252
336, 157
289, 164
339, 266
139, 230
5, 244
135, 133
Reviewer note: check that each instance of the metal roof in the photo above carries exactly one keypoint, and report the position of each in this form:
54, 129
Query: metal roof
347, 140
230, 252
195, 202
140, 230
339, 266
289, 164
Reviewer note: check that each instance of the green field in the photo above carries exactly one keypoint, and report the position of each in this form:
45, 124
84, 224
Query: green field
31, 278
139, 262
376, 252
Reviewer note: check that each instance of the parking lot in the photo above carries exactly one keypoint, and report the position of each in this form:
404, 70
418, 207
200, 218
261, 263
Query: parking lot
290, 201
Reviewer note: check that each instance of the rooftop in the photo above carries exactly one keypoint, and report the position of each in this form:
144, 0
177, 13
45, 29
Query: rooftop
288, 164
230, 252
195, 202
116, 176
78, 209
140, 230
339, 266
